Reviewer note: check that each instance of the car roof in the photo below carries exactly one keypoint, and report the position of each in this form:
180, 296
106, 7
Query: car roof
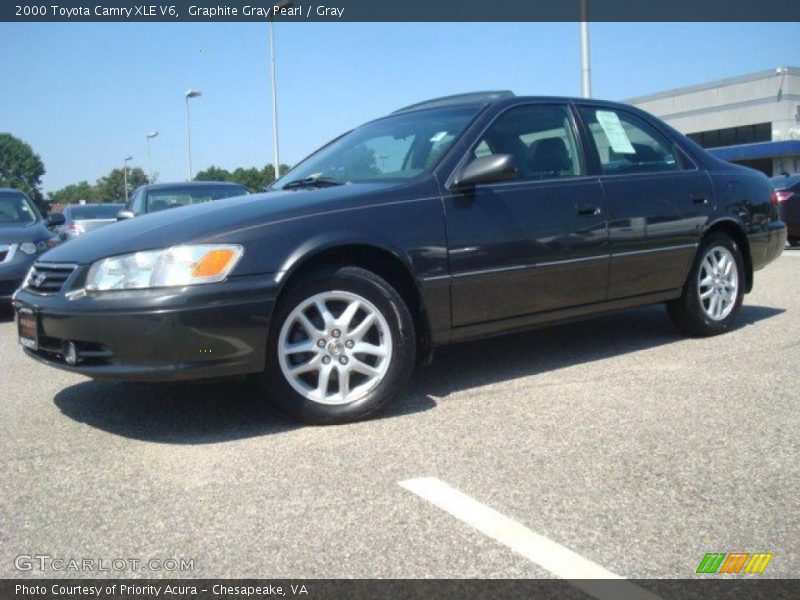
507, 97
7, 190
467, 99
183, 184
93, 204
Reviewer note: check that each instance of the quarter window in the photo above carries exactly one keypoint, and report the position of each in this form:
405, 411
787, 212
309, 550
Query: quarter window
627, 144
540, 138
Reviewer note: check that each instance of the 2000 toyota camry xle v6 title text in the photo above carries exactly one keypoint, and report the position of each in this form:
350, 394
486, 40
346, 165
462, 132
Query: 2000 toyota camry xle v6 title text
448, 220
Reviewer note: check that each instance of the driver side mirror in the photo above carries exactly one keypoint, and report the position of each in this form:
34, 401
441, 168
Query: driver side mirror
124, 215
487, 169
55, 219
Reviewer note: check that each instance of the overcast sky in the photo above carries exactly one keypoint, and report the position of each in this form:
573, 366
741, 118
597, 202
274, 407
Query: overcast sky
84, 95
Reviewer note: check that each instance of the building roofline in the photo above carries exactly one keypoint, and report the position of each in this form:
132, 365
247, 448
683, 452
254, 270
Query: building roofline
699, 87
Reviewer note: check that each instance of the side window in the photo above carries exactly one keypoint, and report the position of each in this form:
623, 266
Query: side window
627, 144
540, 138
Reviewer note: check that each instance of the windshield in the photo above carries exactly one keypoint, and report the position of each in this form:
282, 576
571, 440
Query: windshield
15, 209
95, 211
397, 147
184, 196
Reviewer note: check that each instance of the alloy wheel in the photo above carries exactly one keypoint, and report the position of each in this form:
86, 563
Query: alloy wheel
335, 347
718, 283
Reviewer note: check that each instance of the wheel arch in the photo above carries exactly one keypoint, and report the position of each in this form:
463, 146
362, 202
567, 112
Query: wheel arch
379, 259
736, 231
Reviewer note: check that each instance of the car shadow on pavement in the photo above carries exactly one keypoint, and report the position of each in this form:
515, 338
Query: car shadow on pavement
6, 313
496, 359
200, 413
230, 410
187, 413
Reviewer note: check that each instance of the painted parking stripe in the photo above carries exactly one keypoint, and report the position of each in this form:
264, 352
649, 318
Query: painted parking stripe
549, 555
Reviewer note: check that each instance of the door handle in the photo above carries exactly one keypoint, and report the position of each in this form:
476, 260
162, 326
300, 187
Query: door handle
587, 210
699, 199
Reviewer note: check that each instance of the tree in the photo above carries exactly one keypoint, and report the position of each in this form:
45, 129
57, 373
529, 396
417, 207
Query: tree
213, 173
73, 193
253, 178
111, 188
21, 168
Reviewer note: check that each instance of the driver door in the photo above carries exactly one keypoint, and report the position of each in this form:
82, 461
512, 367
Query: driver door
538, 242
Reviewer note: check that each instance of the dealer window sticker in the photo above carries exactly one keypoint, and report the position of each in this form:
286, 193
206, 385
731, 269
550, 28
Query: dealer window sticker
615, 133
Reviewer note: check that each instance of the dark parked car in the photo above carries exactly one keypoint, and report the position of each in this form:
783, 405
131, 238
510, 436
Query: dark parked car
82, 218
24, 235
445, 221
156, 197
787, 191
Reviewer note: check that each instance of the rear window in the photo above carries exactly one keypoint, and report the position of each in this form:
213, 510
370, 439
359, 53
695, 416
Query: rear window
627, 144
100, 211
15, 209
186, 196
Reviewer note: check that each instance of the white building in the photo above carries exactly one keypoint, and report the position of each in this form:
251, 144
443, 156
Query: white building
752, 119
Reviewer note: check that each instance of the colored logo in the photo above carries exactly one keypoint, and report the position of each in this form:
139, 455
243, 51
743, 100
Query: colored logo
719, 562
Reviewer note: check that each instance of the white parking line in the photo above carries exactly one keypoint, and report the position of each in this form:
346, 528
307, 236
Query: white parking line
553, 557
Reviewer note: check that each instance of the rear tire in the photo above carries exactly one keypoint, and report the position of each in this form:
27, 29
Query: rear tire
713, 293
341, 347
794, 242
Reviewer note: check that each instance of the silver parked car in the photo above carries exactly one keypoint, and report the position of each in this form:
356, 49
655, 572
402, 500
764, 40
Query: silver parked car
81, 218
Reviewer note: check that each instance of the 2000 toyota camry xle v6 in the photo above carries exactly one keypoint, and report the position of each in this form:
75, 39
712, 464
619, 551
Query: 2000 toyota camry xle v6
448, 220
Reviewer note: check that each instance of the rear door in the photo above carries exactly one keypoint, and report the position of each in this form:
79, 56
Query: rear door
657, 201
535, 243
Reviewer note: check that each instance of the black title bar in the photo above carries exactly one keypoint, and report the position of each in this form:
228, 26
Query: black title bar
404, 10
391, 589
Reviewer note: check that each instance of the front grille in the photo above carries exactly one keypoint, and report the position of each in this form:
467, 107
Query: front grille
48, 278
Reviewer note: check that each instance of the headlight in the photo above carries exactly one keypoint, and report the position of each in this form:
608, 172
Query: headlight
28, 248
176, 266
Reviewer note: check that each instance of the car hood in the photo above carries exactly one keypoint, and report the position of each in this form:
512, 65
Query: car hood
19, 234
210, 221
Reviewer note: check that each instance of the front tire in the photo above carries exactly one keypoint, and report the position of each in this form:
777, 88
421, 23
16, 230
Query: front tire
713, 293
341, 347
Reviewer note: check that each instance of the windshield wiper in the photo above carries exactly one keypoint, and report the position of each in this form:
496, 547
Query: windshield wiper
312, 182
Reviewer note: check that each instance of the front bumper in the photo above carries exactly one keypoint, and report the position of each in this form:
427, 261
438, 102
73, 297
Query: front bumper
171, 334
767, 245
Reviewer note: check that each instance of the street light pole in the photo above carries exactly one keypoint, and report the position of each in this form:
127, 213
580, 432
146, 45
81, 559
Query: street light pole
152, 134
189, 94
125, 176
276, 156
275, 150
586, 74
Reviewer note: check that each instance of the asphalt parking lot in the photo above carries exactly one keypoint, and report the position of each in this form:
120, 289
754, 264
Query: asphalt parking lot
636, 449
